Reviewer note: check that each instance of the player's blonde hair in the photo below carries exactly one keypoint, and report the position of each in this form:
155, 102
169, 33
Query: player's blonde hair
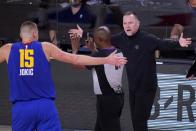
28, 30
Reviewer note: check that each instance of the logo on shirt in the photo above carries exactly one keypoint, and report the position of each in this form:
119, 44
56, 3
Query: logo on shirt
26, 62
137, 47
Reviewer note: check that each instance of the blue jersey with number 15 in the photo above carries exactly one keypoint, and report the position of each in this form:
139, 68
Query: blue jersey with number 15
29, 73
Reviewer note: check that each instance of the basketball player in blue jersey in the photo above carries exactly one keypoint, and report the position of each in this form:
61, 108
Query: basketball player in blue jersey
31, 86
106, 80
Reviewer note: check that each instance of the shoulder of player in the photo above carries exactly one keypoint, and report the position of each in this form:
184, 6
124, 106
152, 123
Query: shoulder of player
6, 46
5, 51
47, 45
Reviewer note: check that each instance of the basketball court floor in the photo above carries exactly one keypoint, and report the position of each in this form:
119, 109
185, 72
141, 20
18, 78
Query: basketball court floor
8, 128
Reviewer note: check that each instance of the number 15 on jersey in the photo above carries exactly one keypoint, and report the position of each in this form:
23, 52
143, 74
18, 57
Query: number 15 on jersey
26, 62
26, 58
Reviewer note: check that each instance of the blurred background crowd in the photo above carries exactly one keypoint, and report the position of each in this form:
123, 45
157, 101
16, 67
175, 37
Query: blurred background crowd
164, 18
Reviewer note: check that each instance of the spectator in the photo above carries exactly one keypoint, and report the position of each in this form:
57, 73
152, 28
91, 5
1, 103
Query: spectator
178, 28
62, 20
40, 18
176, 31
107, 12
192, 3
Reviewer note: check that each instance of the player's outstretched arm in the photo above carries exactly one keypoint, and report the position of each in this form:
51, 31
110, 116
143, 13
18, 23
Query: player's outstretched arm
4, 52
56, 53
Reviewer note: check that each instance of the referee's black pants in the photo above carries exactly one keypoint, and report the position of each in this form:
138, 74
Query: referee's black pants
109, 108
141, 105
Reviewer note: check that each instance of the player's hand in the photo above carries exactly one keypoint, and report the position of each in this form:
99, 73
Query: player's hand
184, 42
116, 60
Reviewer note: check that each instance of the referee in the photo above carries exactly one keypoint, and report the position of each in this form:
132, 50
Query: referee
106, 82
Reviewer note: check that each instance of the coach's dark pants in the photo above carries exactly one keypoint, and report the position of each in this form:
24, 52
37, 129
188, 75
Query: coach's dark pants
141, 105
109, 108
